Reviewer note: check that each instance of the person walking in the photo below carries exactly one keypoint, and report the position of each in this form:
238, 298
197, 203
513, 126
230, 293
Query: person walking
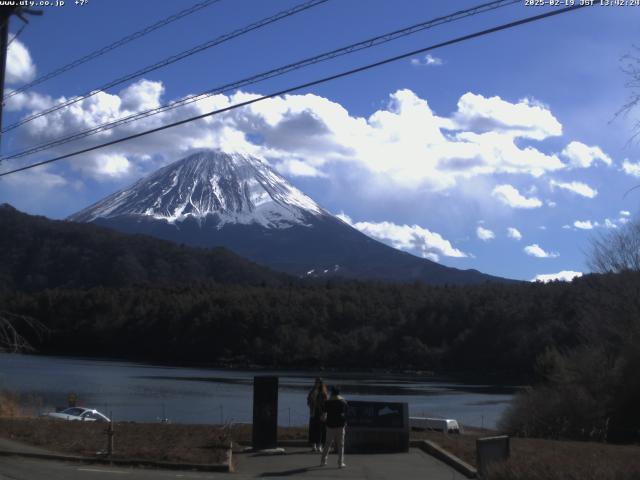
315, 400
336, 421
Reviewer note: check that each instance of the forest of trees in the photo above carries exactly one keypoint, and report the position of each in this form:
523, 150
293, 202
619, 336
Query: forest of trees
577, 343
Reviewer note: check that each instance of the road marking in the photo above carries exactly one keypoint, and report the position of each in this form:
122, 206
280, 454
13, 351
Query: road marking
101, 470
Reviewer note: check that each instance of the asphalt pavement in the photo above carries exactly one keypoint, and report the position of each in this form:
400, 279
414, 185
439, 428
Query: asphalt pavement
295, 463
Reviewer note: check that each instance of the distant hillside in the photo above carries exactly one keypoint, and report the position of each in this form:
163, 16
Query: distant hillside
37, 253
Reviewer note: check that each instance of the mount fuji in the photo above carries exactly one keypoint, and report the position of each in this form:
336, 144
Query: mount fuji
211, 198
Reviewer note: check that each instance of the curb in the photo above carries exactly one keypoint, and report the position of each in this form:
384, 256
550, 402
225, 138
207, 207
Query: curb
294, 443
225, 467
436, 451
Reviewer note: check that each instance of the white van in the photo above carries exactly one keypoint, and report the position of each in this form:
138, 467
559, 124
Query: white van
447, 425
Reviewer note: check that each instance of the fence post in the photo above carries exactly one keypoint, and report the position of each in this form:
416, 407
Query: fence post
110, 435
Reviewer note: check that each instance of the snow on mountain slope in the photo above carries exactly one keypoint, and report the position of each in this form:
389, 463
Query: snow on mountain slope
226, 188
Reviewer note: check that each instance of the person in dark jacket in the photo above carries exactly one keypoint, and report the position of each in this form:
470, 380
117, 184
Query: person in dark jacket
336, 421
315, 400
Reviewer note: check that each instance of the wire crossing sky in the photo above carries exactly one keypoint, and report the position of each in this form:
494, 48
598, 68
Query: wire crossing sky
305, 85
369, 43
501, 154
172, 59
112, 46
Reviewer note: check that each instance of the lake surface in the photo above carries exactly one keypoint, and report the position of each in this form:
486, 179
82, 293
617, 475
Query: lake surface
147, 393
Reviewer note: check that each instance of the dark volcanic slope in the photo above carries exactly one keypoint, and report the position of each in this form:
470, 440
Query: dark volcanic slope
36, 253
213, 199
328, 247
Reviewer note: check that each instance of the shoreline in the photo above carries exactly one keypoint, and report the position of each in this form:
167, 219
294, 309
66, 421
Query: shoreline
491, 379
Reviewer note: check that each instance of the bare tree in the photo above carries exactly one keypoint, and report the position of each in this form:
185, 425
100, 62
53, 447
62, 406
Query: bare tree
617, 250
12, 327
631, 67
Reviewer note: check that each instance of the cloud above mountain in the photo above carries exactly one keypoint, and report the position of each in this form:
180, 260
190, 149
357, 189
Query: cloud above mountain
536, 250
405, 142
563, 276
509, 195
410, 238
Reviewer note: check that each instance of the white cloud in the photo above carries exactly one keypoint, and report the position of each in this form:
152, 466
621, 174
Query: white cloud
578, 188
551, 204
564, 276
107, 165
20, 67
514, 233
141, 95
38, 178
535, 250
298, 168
27, 101
414, 238
625, 213
485, 234
509, 195
427, 61
631, 168
606, 223
585, 224
526, 119
405, 144
582, 156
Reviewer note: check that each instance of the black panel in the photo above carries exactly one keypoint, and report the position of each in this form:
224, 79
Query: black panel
265, 412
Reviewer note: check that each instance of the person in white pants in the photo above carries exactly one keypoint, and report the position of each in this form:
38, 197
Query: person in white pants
336, 420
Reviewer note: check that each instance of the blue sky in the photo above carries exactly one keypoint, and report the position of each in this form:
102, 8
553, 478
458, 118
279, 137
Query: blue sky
502, 153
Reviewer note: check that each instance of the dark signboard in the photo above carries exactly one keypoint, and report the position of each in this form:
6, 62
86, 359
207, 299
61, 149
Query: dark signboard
376, 414
265, 412
377, 427
491, 450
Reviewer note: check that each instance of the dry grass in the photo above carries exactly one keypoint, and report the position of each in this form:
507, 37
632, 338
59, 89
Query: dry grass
146, 441
531, 459
539, 459
9, 404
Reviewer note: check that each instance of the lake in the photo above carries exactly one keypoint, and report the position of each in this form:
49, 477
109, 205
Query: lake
147, 393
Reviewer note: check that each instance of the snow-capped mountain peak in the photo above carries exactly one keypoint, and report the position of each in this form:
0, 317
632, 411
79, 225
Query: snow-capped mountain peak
212, 185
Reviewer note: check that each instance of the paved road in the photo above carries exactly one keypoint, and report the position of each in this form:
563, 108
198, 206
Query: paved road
297, 463
17, 468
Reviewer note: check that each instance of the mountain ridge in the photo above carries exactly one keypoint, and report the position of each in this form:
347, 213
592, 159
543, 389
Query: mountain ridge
239, 202
235, 188
37, 252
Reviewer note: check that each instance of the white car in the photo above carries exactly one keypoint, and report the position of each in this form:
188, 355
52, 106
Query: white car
447, 425
79, 413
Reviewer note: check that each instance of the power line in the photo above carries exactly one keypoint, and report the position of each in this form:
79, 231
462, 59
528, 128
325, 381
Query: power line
369, 43
172, 59
112, 46
307, 85
17, 34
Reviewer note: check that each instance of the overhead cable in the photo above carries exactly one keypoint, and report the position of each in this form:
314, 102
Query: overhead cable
169, 60
369, 43
112, 46
306, 85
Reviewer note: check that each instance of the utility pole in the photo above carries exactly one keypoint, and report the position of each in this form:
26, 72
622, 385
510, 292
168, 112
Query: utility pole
5, 15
